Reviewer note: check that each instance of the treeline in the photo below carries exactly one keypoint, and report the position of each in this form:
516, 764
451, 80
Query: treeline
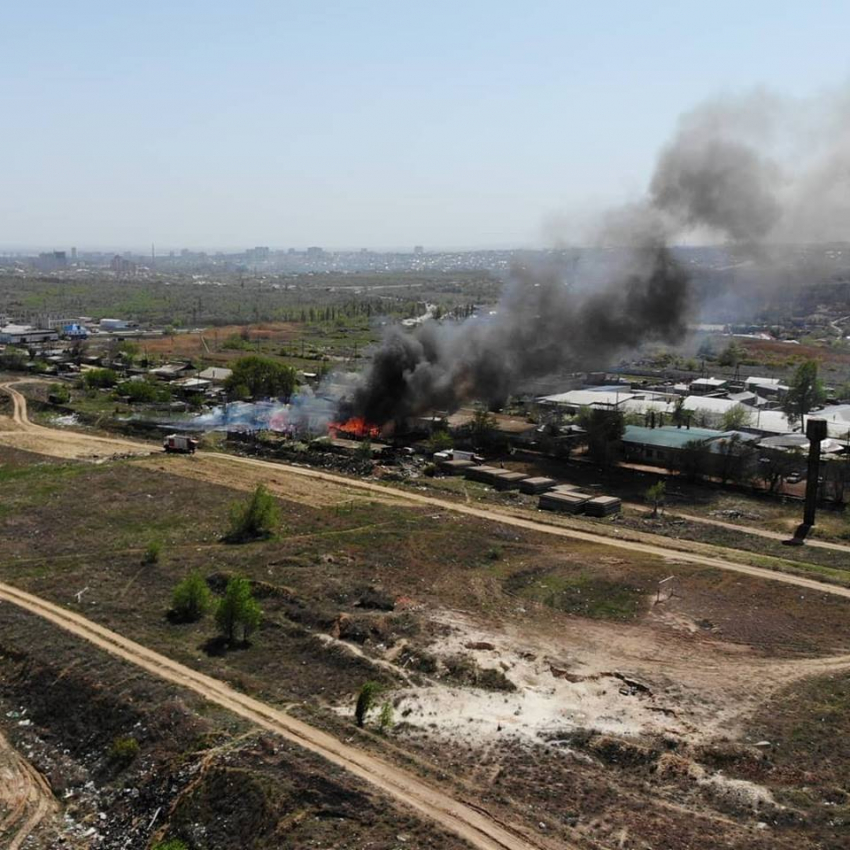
184, 303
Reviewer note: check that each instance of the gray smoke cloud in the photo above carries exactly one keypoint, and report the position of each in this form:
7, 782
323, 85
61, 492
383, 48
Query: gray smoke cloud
542, 324
752, 171
759, 169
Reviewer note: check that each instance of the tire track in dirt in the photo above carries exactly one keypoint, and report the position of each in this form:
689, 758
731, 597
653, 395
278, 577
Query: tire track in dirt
473, 824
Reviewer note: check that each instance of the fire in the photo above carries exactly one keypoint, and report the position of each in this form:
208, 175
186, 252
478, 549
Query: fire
356, 427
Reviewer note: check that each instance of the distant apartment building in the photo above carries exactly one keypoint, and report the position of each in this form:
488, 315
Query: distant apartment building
51, 261
121, 265
257, 255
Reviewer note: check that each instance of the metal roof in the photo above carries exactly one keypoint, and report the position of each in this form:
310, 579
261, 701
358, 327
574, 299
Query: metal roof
668, 436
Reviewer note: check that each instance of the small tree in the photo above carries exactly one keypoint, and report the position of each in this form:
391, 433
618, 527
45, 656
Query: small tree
732, 355
58, 394
805, 392
100, 379
655, 495
191, 599
386, 719
238, 613
255, 519
152, 553
604, 429
775, 466
262, 377
365, 700
680, 415
482, 429
736, 417
440, 441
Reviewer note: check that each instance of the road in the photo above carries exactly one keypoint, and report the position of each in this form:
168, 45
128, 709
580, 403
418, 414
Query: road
743, 529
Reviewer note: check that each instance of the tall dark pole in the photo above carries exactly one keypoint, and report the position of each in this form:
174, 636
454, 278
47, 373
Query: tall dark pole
815, 431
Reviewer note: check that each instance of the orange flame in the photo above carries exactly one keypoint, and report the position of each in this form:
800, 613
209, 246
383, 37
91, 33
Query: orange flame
356, 427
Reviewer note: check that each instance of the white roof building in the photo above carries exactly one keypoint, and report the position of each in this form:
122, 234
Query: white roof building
708, 384
837, 420
216, 374
588, 398
761, 421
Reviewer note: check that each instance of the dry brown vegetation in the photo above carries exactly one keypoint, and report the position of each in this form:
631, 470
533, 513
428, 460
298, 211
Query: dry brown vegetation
355, 588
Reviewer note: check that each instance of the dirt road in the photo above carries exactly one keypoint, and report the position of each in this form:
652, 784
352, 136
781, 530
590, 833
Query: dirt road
468, 821
740, 528
25, 797
37, 438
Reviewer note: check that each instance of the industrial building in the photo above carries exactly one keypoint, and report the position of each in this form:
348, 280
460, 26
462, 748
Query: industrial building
26, 335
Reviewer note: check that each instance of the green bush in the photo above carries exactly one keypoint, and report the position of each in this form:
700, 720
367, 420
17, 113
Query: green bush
58, 394
99, 379
144, 392
152, 553
257, 518
171, 844
262, 377
365, 700
440, 441
124, 750
191, 599
238, 613
386, 720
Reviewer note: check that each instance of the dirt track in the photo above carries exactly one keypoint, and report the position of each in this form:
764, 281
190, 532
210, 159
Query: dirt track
743, 529
49, 441
470, 823
25, 796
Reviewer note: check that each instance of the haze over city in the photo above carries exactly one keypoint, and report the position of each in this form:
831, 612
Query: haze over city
378, 125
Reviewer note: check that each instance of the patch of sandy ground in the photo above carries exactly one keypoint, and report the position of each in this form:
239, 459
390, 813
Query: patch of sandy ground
25, 798
632, 680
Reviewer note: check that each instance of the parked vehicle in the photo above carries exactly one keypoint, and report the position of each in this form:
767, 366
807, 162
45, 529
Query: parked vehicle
180, 444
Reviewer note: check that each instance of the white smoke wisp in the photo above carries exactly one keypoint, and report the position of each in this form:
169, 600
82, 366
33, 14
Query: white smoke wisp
307, 414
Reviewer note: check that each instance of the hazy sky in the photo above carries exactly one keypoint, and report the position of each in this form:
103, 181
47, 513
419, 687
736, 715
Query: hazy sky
364, 124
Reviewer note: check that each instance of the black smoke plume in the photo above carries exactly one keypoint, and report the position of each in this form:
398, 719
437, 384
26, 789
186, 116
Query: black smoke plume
541, 325
749, 171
